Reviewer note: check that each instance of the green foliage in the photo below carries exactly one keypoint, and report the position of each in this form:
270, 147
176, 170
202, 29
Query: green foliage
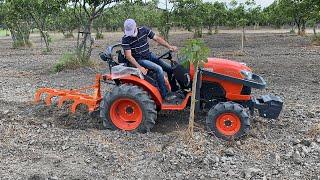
215, 15
99, 35
195, 52
316, 40
41, 12
71, 61
16, 22
299, 11
238, 15
20, 43
66, 21
68, 35
274, 15
4, 33
292, 31
93, 10
189, 14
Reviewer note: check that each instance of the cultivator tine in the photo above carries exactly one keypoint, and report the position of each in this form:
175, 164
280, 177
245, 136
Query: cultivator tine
39, 93
62, 100
74, 107
48, 99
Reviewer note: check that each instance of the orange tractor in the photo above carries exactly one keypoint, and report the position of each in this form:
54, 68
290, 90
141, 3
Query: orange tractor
223, 88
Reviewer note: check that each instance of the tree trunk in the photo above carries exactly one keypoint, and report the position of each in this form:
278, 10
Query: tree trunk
242, 39
197, 32
303, 29
45, 37
299, 27
85, 47
314, 29
256, 26
210, 30
193, 102
78, 38
216, 30
20, 35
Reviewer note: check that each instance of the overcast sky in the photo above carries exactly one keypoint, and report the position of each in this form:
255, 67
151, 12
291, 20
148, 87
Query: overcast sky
263, 3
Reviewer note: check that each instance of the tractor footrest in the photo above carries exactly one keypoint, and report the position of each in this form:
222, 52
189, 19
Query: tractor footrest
269, 106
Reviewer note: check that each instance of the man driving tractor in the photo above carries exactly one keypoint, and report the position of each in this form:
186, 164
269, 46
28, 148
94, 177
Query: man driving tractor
136, 49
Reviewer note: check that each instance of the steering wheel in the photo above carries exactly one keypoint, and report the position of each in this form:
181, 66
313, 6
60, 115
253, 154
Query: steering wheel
168, 55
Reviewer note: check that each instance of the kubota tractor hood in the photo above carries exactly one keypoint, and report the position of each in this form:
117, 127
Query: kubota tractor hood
226, 67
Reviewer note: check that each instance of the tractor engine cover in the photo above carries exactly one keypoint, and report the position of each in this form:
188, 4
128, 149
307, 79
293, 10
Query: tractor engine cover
269, 106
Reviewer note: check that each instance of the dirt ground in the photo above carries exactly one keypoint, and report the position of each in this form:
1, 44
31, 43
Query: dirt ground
37, 142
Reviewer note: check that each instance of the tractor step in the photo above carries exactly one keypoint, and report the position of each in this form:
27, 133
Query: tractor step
179, 103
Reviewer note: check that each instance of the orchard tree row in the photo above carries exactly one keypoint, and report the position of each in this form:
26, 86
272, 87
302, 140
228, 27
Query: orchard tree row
21, 17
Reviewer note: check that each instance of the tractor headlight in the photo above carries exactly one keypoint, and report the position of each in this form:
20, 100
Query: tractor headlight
247, 74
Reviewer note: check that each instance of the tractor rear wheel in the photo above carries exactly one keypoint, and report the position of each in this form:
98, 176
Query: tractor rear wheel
228, 120
128, 107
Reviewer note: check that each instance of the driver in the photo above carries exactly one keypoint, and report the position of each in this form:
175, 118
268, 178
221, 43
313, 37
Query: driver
136, 48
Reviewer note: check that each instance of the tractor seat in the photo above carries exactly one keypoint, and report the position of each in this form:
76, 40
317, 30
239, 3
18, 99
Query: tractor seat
123, 59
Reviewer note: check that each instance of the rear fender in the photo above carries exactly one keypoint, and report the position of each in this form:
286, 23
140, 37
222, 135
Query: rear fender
130, 79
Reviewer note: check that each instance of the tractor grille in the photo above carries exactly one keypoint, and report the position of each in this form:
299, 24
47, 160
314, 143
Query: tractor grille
246, 90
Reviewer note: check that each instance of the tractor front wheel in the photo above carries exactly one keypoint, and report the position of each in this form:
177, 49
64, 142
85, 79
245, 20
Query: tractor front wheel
228, 120
129, 108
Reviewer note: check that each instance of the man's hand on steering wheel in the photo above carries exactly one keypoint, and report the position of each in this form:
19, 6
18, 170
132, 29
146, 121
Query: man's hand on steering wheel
173, 48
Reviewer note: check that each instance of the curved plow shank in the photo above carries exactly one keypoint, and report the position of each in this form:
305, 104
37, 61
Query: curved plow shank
91, 101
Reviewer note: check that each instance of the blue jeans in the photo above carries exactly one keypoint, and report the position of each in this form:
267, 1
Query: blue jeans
157, 65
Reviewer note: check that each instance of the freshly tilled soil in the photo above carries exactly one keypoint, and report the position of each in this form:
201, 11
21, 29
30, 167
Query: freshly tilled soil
39, 142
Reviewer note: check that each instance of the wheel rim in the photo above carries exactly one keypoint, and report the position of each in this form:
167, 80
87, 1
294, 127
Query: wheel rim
126, 114
228, 124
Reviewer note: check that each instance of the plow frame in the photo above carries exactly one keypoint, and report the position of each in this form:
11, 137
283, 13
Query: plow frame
75, 95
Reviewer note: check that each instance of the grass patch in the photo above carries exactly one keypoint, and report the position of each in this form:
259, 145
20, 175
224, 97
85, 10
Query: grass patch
292, 31
4, 33
71, 61
99, 36
18, 44
68, 35
316, 40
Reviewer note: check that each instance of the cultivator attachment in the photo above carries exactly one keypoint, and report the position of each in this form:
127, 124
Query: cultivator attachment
75, 95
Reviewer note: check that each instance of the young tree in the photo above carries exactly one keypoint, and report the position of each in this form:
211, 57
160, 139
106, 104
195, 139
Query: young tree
41, 12
18, 24
215, 15
190, 15
2, 15
315, 18
92, 10
238, 16
66, 22
300, 11
165, 20
241, 15
274, 15
196, 53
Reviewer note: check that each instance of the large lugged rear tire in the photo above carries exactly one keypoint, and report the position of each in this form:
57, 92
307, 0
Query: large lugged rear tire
228, 120
128, 107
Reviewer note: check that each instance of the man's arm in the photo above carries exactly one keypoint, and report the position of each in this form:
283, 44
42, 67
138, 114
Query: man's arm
133, 61
164, 43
